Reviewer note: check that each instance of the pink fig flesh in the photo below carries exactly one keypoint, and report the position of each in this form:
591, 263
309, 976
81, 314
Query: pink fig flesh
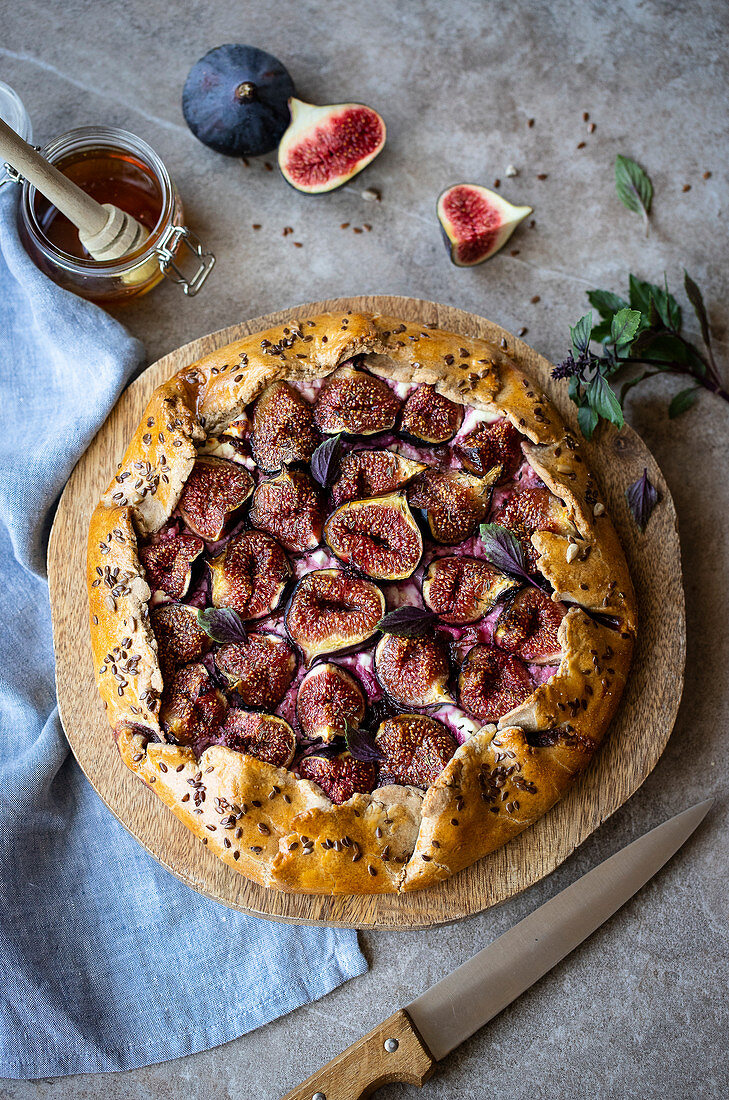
290, 508
324, 147
413, 671
415, 749
250, 575
265, 736
340, 776
462, 590
370, 473
260, 670
378, 535
528, 627
329, 702
476, 222
168, 563
429, 417
332, 611
492, 683
214, 491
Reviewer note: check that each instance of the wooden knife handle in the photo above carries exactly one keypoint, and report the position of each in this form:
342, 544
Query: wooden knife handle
368, 1064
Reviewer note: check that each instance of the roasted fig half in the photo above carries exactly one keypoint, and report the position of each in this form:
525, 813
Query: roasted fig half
429, 417
355, 402
329, 702
530, 510
339, 776
213, 492
528, 627
463, 590
193, 707
491, 683
324, 147
370, 473
413, 671
332, 611
180, 639
283, 428
251, 575
378, 535
453, 502
415, 748
261, 669
264, 736
168, 563
489, 445
290, 508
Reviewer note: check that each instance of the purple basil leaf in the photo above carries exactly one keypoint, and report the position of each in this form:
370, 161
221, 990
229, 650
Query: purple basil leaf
223, 625
325, 459
504, 551
642, 499
407, 621
361, 745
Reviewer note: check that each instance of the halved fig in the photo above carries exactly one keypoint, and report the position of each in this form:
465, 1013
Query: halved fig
463, 590
476, 222
250, 575
289, 506
261, 669
265, 736
355, 402
332, 611
213, 492
413, 671
324, 147
339, 776
489, 445
369, 473
528, 626
192, 707
168, 563
530, 510
453, 502
330, 701
180, 639
429, 417
491, 683
378, 535
415, 749
283, 428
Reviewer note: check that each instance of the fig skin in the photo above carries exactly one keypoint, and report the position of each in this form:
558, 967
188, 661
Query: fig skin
454, 502
289, 507
180, 639
530, 510
332, 611
415, 749
260, 670
489, 445
168, 564
324, 147
462, 590
365, 474
283, 428
378, 535
192, 707
414, 672
251, 575
329, 702
354, 402
340, 776
528, 627
213, 492
429, 417
265, 736
476, 222
491, 683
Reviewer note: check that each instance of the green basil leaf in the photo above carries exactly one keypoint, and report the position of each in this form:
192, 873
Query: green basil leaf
604, 402
601, 332
587, 420
683, 401
605, 302
641, 293
581, 335
667, 348
627, 386
696, 299
633, 186
623, 328
668, 308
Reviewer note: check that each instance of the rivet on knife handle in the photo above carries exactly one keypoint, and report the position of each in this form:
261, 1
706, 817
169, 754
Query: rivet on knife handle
392, 1051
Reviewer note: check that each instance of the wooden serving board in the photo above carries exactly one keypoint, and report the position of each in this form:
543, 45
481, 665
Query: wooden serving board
631, 749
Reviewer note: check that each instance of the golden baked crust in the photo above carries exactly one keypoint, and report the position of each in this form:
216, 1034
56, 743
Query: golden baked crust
282, 831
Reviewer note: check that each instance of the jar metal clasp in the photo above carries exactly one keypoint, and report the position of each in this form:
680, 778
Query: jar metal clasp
174, 238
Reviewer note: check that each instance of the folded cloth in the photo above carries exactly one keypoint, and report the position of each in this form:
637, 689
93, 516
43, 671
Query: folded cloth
107, 962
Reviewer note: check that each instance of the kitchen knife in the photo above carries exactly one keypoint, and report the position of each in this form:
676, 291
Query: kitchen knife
406, 1046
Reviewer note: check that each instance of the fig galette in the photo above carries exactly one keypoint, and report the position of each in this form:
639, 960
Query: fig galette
358, 613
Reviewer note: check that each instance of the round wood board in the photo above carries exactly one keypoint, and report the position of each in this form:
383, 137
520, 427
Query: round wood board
632, 747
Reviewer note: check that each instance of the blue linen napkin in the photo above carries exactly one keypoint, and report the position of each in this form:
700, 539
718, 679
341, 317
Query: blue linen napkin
107, 962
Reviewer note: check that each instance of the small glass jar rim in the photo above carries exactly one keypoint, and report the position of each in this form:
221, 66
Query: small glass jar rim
101, 137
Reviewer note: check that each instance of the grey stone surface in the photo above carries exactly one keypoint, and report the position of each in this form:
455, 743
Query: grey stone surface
642, 1009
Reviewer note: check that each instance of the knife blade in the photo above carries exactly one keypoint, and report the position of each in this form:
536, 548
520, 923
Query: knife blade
406, 1046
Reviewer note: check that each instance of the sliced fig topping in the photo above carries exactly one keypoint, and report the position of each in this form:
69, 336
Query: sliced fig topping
491, 683
454, 502
193, 707
415, 749
250, 575
339, 776
283, 428
331, 611
264, 736
489, 445
213, 492
463, 590
289, 507
355, 402
476, 222
429, 417
378, 535
168, 564
324, 147
261, 670
528, 627
179, 638
369, 473
530, 510
413, 671
330, 701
